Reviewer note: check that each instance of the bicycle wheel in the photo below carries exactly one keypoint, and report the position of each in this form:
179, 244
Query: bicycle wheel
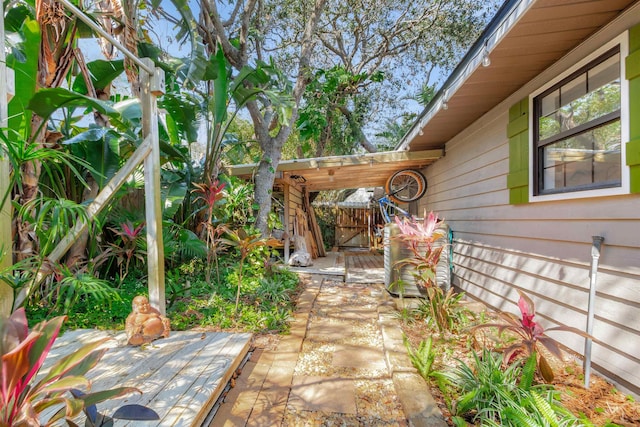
406, 185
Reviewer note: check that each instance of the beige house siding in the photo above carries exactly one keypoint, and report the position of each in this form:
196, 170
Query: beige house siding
542, 248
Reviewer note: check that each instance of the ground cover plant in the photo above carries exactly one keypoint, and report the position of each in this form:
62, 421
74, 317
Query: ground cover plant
476, 383
496, 368
266, 295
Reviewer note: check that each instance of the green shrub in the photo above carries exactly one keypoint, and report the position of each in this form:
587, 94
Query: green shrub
492, 394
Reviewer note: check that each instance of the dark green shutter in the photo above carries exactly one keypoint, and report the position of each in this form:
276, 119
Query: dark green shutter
632, 67
518, 133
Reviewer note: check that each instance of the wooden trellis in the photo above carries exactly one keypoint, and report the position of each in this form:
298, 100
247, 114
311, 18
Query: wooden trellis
148, 153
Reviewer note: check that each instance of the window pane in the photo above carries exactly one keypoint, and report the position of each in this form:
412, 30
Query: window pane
575, 103
583, 161
550, 103
605, 73
573, 90
549, 120
588, 96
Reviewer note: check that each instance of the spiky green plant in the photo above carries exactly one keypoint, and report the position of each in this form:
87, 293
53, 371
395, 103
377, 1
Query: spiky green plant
442, 309
494, 395
421, 357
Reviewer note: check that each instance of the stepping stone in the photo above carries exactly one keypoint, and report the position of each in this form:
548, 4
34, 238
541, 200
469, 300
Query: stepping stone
323, 330
324, 394
353, 356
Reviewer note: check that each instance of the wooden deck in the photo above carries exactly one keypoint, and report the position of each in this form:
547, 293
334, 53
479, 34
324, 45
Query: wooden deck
181, 377
364, 267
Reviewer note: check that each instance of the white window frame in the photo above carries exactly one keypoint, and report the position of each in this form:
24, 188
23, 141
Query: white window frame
623, 41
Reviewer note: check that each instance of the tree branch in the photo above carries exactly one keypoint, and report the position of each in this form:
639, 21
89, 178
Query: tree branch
356, 129
234, 55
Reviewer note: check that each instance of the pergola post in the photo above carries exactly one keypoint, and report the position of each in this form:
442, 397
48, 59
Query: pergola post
152, 85
6, 244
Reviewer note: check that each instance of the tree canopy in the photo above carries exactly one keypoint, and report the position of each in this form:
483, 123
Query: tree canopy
350, 65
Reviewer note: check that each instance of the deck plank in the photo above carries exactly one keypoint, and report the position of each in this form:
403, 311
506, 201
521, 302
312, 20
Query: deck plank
209, 380
181, 376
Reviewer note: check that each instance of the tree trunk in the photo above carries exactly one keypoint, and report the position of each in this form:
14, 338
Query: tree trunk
272, 146
25, 238
264, 183
77, 252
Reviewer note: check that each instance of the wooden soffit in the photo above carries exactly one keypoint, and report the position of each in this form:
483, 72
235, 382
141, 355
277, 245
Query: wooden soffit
343, 172
524, 39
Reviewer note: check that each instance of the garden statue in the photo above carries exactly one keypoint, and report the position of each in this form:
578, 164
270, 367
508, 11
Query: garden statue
145, 323
301, 256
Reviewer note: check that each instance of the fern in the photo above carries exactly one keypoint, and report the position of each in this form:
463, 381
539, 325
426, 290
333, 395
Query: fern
517, 416
528, 372
544, 408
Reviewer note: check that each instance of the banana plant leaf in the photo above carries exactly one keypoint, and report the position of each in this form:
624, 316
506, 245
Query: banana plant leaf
25, 79
188, 28
46, 101
173, 191
102, 74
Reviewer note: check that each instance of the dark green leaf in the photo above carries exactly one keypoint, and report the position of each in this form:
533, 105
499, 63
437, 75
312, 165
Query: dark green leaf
15, 17
25, 80
102, 74
46, 101
220, 88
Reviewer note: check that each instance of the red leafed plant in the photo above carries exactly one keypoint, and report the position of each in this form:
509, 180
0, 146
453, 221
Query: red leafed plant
210, 194
129, 247
531, 333
24, 394
419, 237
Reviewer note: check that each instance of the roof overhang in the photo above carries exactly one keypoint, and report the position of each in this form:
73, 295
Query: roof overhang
341, 172
525, 38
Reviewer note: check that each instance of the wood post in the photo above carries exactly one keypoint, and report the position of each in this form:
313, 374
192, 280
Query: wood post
151, 83
287, 223
6, 244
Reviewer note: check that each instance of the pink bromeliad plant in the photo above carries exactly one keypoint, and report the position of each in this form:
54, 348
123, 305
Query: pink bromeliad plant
419, 237
129, 246
531, 334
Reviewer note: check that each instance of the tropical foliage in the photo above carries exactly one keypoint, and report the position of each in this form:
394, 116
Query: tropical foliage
27, 392
494, 388
485, 382
420, 238
530, 335
494, 395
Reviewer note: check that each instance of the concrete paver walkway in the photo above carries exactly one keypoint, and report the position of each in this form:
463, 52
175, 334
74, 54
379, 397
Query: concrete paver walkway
344, 338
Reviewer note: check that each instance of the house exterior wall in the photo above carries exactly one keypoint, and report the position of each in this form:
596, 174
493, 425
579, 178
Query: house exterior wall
503, 242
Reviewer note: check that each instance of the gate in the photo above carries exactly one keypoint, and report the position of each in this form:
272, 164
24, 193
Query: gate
353, 227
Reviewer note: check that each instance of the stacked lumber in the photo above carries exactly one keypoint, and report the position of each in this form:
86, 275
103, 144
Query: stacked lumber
314, 228
306, 226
